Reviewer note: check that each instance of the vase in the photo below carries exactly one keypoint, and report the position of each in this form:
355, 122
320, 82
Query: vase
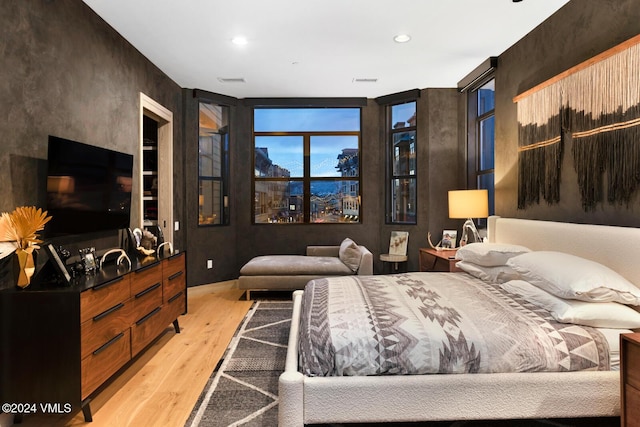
25, 267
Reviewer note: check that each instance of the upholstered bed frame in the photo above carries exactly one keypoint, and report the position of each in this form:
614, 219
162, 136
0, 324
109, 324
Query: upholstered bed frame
309, 400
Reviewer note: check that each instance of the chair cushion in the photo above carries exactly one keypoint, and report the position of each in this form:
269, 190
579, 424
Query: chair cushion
284, 265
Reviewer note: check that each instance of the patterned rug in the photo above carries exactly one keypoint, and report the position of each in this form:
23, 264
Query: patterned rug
243, 390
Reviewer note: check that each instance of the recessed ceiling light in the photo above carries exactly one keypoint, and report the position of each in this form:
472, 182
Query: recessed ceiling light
239, 40
402, 38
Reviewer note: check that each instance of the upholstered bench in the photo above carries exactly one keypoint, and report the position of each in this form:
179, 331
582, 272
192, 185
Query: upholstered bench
291, 272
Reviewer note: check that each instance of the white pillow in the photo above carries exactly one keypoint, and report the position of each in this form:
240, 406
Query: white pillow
489, 254
597, 315
571, 277
349, 254
496, 274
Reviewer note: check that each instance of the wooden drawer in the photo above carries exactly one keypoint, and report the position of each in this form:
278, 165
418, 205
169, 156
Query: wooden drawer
146, 277
146, 300
631, 406
104, 326
100, 298
173, 271
105, 361
147, 328
631, 358
175, 306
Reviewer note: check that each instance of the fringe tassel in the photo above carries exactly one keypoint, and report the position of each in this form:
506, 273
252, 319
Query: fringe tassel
539, 174
600, 107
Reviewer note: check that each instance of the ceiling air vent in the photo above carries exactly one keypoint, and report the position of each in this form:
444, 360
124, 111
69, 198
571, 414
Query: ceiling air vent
231, 80
364, 80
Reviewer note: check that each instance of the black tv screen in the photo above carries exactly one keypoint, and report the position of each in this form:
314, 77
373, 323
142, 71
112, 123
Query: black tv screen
88, 188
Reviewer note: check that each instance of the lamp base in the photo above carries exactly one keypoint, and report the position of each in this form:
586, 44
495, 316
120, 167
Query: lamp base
469, 227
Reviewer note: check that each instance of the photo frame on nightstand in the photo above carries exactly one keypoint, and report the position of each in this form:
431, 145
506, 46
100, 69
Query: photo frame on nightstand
449, 238
398, 243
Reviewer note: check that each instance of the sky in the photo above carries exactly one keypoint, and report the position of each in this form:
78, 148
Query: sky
287, 151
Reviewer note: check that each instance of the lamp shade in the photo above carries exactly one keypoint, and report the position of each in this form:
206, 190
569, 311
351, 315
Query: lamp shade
468, 204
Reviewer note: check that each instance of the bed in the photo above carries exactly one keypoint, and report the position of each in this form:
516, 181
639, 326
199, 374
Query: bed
307, 399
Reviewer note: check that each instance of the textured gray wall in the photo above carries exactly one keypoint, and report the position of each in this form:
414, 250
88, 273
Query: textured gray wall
577, 32
65, 72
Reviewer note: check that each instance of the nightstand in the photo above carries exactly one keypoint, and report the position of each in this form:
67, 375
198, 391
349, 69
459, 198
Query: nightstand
394, 262
630, 380
433, 260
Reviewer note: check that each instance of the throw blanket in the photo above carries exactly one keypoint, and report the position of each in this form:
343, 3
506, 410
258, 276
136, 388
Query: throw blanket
435, 323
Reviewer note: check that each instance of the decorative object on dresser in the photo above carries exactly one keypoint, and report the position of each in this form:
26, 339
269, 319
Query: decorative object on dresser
468, 204
21, 227
630, 380
432, 259
62, 343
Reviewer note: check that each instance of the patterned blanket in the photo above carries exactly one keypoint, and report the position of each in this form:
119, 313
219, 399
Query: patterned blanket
435, 323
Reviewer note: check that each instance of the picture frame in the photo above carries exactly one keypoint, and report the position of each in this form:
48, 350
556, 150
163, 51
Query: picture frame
59, 266
88, 259
449, 239
398, 243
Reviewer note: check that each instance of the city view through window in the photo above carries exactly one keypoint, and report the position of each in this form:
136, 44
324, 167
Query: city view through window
306, 165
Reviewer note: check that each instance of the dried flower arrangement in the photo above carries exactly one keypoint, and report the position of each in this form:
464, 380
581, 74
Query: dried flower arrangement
22, 225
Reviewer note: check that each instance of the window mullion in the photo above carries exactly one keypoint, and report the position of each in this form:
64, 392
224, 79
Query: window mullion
307, 177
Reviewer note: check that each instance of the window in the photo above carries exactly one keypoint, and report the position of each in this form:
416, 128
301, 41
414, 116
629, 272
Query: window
402, 185
213, 165
481, 139
306, 165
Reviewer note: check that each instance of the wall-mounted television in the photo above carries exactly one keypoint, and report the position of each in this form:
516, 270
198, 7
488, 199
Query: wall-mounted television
88, 188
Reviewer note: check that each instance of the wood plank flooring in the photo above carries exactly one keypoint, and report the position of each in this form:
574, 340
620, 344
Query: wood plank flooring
161, 386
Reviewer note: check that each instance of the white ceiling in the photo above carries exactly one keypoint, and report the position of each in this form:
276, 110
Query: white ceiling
313, 48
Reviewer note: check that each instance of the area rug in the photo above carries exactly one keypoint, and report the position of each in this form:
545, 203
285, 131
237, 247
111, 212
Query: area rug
243, 390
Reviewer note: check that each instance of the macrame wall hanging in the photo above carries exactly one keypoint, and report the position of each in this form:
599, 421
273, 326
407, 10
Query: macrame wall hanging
597, 105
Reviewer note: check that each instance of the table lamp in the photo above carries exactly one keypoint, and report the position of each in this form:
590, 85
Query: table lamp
469, 204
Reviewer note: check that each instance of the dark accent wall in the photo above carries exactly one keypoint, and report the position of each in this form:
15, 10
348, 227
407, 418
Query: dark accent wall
578, 31
65, 72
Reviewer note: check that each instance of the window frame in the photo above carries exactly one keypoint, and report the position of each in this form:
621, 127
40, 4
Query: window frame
391, 176
475, 120
224, 178
306, 179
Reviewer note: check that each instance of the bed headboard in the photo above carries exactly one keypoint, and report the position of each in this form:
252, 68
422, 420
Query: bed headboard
616, 247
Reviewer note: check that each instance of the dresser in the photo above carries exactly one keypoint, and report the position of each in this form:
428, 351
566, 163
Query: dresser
60, 344
630, 380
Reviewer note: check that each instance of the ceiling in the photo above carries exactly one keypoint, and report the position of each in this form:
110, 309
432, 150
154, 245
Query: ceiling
328, 48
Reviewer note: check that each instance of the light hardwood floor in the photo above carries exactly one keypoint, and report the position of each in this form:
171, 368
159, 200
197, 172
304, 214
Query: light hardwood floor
160, 387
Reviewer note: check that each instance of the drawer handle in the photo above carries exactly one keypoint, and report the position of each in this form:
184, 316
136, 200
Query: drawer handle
109, 283
175, 297
149, 289
106, 345
108, 312
148, 316
176, 275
